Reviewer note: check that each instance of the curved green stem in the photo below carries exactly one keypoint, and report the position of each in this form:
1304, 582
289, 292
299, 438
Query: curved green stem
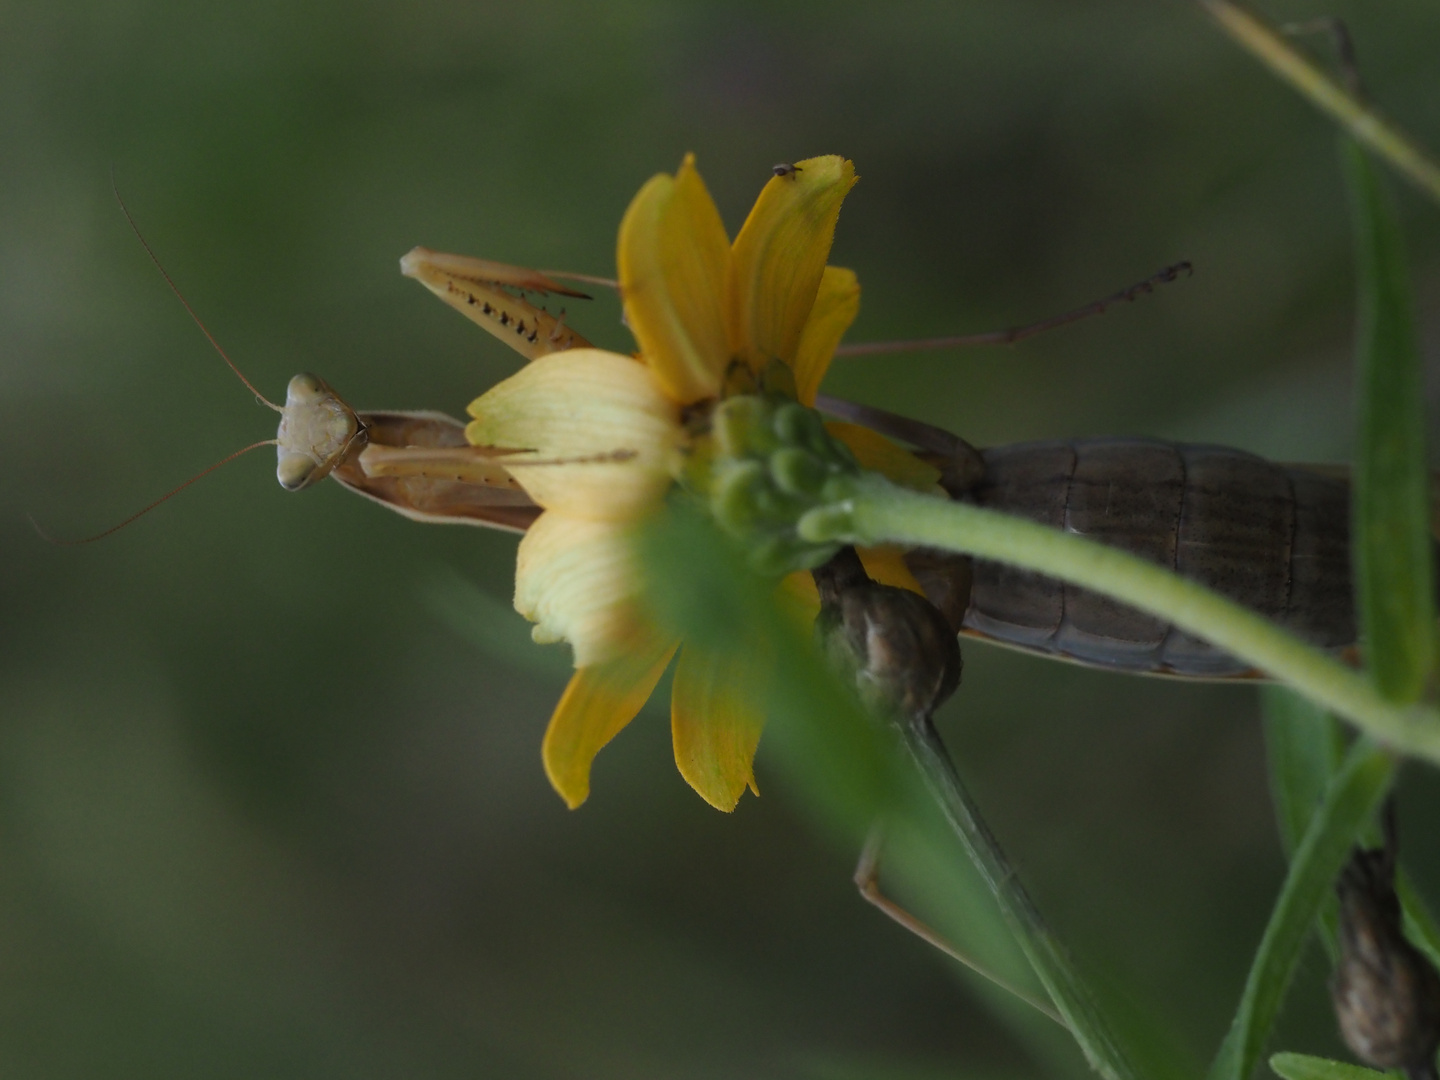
879, 512
1324, 91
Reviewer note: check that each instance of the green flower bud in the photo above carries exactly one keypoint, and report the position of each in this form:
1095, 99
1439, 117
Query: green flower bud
735, 495
798, 472
767, 462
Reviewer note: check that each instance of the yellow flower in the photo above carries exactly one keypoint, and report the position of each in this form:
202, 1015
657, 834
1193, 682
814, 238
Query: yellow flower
599, 438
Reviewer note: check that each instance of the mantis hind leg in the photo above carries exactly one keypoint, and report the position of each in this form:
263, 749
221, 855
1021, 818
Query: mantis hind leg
867, 880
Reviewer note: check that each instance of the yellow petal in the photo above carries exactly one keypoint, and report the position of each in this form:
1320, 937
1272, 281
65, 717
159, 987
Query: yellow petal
884, 564
674, 259
887, 566
878, 454
780, 255
577, 580
599, 430
836, 305
716, 720
797, 592
599, 701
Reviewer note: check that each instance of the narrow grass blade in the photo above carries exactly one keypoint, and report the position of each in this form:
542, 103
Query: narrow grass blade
1394, 553
1305, 1067
1358, 118
1350, 802
1303, 748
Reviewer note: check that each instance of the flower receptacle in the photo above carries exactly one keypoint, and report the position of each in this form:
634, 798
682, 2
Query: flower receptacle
771, 461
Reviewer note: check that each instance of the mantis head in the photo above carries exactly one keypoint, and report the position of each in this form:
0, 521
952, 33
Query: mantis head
317, 432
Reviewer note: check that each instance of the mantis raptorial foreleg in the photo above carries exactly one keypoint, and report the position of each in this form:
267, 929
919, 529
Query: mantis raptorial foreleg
486, 293
419, 464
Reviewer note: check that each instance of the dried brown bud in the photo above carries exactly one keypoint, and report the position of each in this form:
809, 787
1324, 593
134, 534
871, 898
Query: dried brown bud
1386, 993
904, 654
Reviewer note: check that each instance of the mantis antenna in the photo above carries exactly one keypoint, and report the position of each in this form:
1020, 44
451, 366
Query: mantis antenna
229, 363
1019, 333
141, 513
993, 337
186, 303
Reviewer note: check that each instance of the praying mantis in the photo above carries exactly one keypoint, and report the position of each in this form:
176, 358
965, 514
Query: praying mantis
1274, 537
420, 464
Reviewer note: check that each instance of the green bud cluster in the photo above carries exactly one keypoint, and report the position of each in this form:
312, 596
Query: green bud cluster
770, 461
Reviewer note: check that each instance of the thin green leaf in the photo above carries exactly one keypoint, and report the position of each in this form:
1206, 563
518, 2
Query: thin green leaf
488, 623
1350, 802
1303, 748
1394, 554
701, 589
1305, 1067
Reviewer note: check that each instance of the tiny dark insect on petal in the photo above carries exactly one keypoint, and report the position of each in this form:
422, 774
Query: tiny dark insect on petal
784, 169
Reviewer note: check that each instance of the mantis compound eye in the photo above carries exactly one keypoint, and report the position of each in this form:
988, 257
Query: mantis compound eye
295, 470
305, 389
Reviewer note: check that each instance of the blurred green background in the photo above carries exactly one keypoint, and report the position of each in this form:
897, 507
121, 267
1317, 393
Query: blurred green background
266, 809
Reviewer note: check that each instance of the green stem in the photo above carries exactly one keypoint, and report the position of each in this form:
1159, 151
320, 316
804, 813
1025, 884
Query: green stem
879, 512
1047, 956
1325, 92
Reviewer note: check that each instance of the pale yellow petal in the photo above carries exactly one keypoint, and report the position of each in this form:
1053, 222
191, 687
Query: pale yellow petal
578, 581
599, 431
715, 718
599, 701
780, 256
674, 260
836, 305
878, 454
